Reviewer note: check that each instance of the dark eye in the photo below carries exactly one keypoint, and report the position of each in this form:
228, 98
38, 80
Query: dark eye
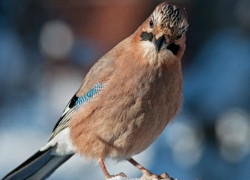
178, 37
151, 24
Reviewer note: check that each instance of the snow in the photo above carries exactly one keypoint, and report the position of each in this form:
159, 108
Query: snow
122, 178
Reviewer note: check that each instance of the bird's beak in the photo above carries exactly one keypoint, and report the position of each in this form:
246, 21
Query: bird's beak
160, 43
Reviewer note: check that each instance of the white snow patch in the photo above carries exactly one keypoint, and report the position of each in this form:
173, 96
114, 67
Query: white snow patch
122, 178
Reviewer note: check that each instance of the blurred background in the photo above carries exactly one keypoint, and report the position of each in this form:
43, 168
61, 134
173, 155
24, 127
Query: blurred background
47, 47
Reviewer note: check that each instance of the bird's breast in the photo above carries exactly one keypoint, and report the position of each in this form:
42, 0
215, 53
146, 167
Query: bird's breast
129, 114
155, 99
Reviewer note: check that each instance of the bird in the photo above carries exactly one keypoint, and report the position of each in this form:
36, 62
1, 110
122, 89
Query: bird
125, 101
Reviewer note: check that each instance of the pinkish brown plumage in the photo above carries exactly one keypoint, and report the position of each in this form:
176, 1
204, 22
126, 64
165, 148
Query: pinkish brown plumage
127, 98
138, 100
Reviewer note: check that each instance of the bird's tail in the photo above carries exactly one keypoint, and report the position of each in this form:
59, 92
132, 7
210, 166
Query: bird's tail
39, 166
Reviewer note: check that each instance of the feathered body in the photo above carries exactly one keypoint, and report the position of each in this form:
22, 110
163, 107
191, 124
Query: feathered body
142, 92
138, 100
124, 103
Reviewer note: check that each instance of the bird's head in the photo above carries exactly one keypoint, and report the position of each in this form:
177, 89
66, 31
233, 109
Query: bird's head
165, 31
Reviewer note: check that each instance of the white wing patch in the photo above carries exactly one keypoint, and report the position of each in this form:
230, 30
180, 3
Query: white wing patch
61, 144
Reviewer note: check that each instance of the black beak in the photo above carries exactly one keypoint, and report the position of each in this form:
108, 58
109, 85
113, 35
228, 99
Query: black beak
160, 43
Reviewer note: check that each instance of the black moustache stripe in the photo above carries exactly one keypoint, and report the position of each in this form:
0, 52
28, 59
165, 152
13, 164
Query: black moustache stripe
146, 36
173, 48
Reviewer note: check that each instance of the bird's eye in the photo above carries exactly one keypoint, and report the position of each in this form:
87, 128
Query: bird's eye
151, 24
178, 37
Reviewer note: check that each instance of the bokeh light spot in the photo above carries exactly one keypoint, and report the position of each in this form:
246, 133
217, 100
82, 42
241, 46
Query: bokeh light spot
56, 39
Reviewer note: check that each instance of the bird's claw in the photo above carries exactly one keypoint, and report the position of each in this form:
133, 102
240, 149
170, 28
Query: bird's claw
165, 176
121, 174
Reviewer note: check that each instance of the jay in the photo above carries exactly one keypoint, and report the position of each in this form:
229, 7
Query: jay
124, 103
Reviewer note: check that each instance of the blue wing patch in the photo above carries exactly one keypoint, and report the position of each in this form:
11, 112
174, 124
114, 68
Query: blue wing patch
87, 97
72, 106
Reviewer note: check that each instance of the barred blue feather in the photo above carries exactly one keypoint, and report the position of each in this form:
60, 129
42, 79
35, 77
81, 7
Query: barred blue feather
74, 104
87, 97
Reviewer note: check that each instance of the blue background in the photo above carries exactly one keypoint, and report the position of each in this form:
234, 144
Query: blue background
47, 47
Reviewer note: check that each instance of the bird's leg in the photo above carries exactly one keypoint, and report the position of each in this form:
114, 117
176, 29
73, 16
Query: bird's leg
146, 174
104, 169
105, 172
